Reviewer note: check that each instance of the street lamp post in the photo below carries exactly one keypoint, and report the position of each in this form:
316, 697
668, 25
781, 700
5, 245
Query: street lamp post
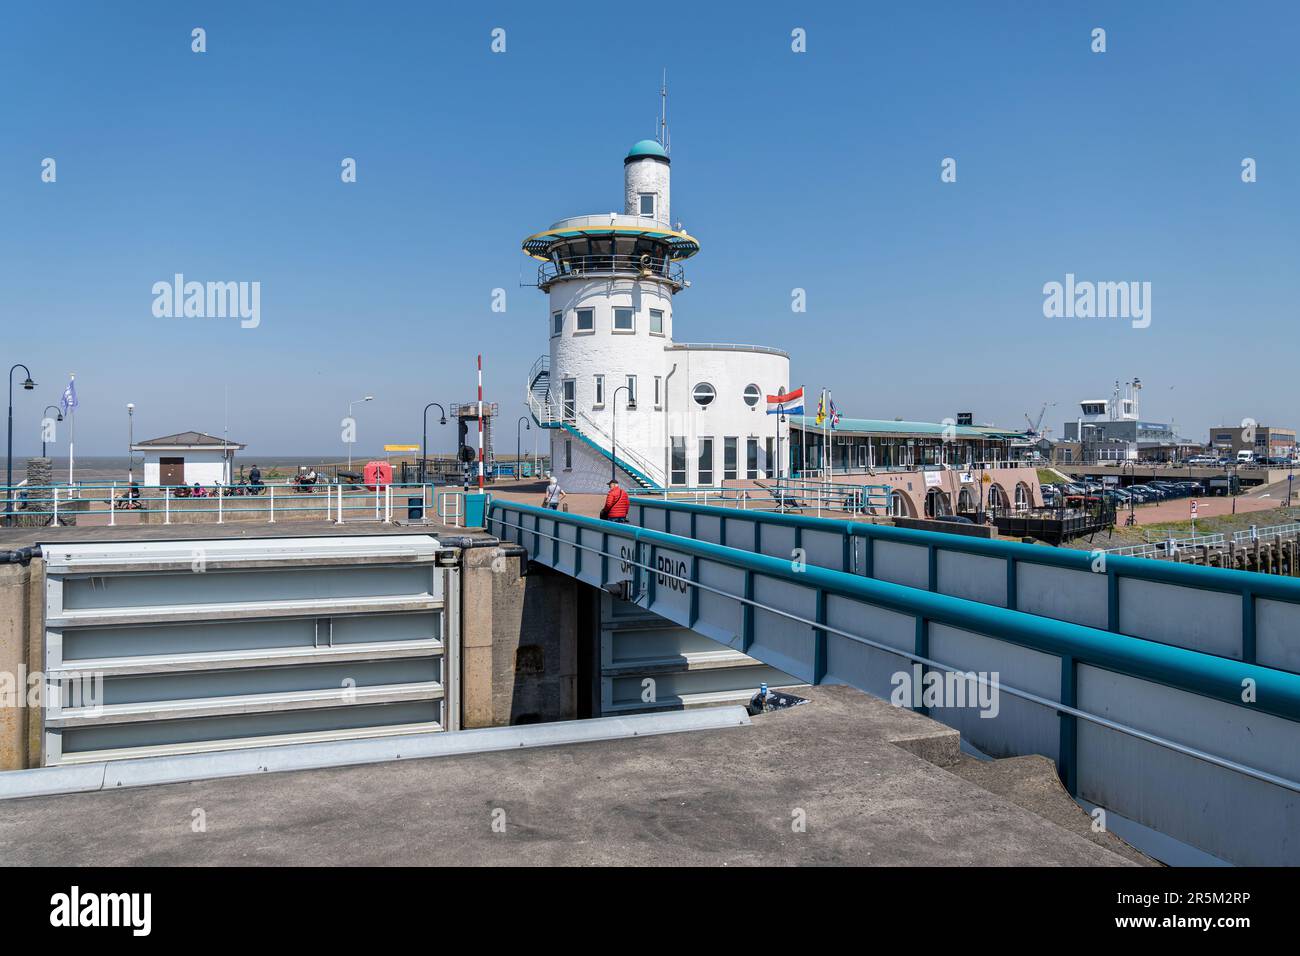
368, 398
58, 418
424, 439
519, 457
613, 431
130, 441
28, 385
1132, 473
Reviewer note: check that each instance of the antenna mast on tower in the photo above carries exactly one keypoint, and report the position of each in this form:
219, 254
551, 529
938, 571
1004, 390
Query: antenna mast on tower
662, 135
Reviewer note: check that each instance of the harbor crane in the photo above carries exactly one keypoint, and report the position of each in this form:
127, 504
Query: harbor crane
1036, 429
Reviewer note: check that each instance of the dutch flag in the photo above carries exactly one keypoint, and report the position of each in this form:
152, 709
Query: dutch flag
791, 403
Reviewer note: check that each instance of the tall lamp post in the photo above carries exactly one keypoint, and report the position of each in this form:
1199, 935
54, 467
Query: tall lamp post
1132, 473
58, 418
519, 455
28, 385
130, 442
613, 430
424, 439
357, 401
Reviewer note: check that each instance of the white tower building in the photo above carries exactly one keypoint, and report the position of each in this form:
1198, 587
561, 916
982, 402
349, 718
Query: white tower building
622, 398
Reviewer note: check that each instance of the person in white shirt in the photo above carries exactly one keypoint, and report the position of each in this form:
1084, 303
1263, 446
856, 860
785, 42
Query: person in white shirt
554, 495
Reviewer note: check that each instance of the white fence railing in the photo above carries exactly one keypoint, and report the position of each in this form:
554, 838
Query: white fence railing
112, 502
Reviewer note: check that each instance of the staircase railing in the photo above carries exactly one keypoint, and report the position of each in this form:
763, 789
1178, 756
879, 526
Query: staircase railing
592, 429
549, 413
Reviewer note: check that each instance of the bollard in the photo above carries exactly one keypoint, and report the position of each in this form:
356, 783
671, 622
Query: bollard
221, 501
112, 505
56, 507
272, 504
167, 506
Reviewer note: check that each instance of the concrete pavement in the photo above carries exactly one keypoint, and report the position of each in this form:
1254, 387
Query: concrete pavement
863, 777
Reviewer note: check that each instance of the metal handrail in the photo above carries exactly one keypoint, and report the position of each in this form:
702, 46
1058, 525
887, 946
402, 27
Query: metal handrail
1168, 546
58, 503
1194, 671
1272, 531
783, 494
1227, 580
552, 414
642, 266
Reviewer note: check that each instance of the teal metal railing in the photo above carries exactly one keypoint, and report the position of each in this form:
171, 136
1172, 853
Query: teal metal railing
852, 547
801, 618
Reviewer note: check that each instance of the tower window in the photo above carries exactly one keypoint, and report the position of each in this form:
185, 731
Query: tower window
752, 394
648, 204
631, 391
623, 321
600, 391
586, 321
656, 321
704, 394
557, 323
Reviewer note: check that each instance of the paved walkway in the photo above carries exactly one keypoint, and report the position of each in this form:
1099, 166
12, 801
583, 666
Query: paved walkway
722, 797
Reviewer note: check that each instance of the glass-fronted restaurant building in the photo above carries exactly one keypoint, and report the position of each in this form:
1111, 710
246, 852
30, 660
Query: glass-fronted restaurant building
864, 444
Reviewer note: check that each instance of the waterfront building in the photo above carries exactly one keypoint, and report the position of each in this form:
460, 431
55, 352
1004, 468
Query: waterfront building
621, 395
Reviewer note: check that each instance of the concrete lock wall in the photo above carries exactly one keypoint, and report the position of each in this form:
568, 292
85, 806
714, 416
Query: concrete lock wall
519, 660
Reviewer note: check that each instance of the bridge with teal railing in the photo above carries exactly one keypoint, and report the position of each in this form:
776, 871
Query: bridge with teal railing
1166, 694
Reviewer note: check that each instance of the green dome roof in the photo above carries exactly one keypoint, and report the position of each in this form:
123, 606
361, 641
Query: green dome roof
647, 148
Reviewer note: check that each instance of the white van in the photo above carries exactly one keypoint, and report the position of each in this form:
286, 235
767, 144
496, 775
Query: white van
1245, 457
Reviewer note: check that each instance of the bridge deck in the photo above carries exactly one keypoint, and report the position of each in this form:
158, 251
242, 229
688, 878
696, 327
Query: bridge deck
1144, 682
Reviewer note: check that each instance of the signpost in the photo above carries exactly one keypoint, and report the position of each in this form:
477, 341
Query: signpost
1194, 510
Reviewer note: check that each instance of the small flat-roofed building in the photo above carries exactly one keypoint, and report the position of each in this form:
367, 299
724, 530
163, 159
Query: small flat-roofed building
186, 458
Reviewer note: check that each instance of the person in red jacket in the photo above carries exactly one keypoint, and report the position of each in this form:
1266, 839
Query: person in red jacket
616, 504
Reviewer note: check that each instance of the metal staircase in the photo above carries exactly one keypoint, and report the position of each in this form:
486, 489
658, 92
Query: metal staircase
549, 413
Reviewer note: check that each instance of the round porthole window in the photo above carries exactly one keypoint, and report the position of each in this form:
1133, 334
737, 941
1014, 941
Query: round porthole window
752, 394
704, 394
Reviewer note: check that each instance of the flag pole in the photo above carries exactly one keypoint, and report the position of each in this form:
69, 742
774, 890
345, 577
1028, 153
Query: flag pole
830, 456
72, 433
803, 472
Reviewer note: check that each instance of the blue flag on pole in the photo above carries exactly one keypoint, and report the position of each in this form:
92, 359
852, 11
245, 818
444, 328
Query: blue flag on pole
69, 400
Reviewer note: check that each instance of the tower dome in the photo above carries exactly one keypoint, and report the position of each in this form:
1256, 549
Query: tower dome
647, 149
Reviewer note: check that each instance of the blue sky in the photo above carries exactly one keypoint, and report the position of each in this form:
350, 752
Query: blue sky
817, 171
